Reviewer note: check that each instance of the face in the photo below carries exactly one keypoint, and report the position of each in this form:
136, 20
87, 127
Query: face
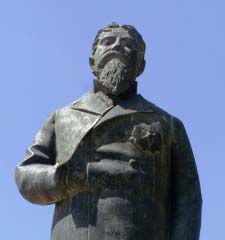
116, 44
115, 61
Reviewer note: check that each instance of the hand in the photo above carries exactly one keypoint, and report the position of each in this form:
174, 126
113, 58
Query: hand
72, 178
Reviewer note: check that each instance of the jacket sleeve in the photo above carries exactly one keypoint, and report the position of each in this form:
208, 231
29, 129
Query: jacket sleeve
37, 177
186, 193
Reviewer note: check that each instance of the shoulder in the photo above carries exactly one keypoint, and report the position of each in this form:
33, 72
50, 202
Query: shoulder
158, 110
76, 101
92, 103
175, 123
68, 109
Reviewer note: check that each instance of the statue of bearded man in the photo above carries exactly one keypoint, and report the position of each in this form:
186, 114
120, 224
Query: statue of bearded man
115, 165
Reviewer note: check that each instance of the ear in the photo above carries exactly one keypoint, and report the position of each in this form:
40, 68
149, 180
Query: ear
92, 64
141, 68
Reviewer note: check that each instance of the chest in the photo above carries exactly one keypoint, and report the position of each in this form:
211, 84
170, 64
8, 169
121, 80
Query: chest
146, 136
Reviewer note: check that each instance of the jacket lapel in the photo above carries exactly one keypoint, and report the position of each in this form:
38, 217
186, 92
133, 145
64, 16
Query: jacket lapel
75, 121
96, 104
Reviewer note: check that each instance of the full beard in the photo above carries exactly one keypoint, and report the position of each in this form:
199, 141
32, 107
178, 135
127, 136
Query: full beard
116, 77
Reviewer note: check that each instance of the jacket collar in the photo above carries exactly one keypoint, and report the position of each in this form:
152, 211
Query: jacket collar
93, 103
136, 104
99, 103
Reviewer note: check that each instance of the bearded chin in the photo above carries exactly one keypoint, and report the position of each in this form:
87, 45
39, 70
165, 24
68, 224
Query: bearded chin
115, 77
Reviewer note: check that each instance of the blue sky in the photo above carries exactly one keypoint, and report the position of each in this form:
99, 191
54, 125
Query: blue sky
44, 48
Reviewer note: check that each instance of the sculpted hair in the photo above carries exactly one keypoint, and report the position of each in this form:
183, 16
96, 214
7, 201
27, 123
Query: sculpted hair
134, 33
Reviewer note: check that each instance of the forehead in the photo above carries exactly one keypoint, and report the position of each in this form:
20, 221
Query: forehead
116, 32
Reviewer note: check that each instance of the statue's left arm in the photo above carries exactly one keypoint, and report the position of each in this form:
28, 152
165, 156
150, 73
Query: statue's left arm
38, 178
186, 192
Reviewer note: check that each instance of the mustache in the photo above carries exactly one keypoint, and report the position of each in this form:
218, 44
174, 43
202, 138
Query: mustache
108, 55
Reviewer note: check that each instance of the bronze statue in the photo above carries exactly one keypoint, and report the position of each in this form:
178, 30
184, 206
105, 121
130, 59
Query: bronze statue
115, 165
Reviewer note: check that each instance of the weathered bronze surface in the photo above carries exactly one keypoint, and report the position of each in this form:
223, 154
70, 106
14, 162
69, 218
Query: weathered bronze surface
115, 165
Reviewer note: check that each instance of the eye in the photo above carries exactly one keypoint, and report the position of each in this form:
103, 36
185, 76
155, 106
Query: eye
130, 43
107, 41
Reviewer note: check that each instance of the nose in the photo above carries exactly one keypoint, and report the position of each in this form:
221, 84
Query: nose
117, 45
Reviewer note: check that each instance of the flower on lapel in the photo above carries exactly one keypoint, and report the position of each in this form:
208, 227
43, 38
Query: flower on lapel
147, 136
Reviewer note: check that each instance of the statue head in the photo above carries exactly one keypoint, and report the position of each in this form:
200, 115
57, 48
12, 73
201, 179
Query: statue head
117, 57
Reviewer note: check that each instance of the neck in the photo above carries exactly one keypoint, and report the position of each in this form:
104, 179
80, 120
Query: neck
131, 91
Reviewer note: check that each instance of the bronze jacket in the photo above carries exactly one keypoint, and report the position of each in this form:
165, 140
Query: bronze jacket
123, 171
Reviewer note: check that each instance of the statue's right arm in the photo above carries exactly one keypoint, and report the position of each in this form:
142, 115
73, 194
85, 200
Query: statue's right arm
37, 177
